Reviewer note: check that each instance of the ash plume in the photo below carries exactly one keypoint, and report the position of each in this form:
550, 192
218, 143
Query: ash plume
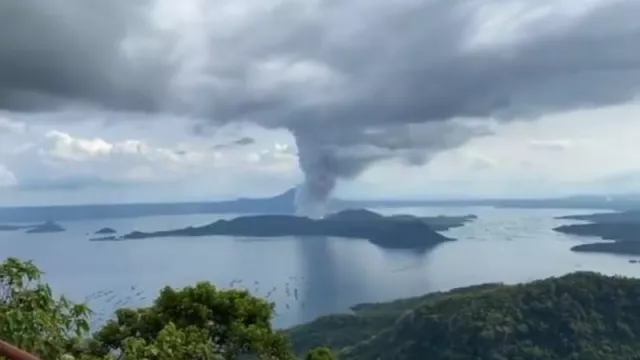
355, 82
325, 157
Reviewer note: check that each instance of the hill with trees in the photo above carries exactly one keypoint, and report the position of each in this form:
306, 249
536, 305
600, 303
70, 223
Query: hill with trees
583, 316
366, 320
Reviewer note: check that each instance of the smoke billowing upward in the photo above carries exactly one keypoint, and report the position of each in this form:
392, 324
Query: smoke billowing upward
325, 157
401, 84
322, 165
320, 180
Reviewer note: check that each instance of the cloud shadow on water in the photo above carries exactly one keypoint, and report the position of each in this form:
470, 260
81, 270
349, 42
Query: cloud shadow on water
321, 290
333, 282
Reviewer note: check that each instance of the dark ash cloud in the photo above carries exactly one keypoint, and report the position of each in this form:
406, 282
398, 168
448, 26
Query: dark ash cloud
355, 82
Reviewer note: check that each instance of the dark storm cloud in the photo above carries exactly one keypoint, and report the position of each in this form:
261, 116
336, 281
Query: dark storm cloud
355, 82
58, 52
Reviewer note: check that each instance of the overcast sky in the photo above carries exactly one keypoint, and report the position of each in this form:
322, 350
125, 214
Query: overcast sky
170, 100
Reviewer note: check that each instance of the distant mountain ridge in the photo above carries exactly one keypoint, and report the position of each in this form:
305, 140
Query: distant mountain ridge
280, 204
285, 204
46, 227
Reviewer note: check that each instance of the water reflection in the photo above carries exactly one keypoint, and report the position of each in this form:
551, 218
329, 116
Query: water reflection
417, 258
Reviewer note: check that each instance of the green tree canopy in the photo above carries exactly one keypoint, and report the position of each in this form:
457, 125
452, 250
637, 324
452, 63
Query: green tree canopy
579, 316
321, 353
197, 322
32, 318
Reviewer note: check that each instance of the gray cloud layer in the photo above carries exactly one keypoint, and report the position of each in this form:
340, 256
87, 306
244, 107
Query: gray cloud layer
355, 82
63, 51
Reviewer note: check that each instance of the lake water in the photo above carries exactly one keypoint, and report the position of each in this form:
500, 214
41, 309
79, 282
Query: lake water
305, 277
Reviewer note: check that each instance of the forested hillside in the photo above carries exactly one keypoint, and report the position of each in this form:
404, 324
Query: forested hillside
578, 316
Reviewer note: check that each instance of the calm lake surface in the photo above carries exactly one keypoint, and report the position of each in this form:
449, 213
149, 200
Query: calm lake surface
309, 277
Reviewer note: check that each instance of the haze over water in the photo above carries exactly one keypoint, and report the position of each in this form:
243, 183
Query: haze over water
305, 277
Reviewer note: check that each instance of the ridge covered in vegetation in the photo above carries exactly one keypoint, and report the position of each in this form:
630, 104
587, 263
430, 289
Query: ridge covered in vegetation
577, 316
583, 316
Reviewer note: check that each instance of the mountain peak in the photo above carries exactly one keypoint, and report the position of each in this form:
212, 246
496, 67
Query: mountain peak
289, 194
355, 215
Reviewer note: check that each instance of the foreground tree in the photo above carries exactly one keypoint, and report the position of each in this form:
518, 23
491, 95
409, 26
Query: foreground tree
196, 322
321, 353
32, 319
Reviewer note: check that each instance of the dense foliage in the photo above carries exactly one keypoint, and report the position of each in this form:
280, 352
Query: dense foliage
320, 354
582, 316
207, 321
198, 322
366, 320
31, 318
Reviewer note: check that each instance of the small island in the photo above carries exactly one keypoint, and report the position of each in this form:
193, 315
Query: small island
613, 247
621, 229
105, 231
47, 227
397, 232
